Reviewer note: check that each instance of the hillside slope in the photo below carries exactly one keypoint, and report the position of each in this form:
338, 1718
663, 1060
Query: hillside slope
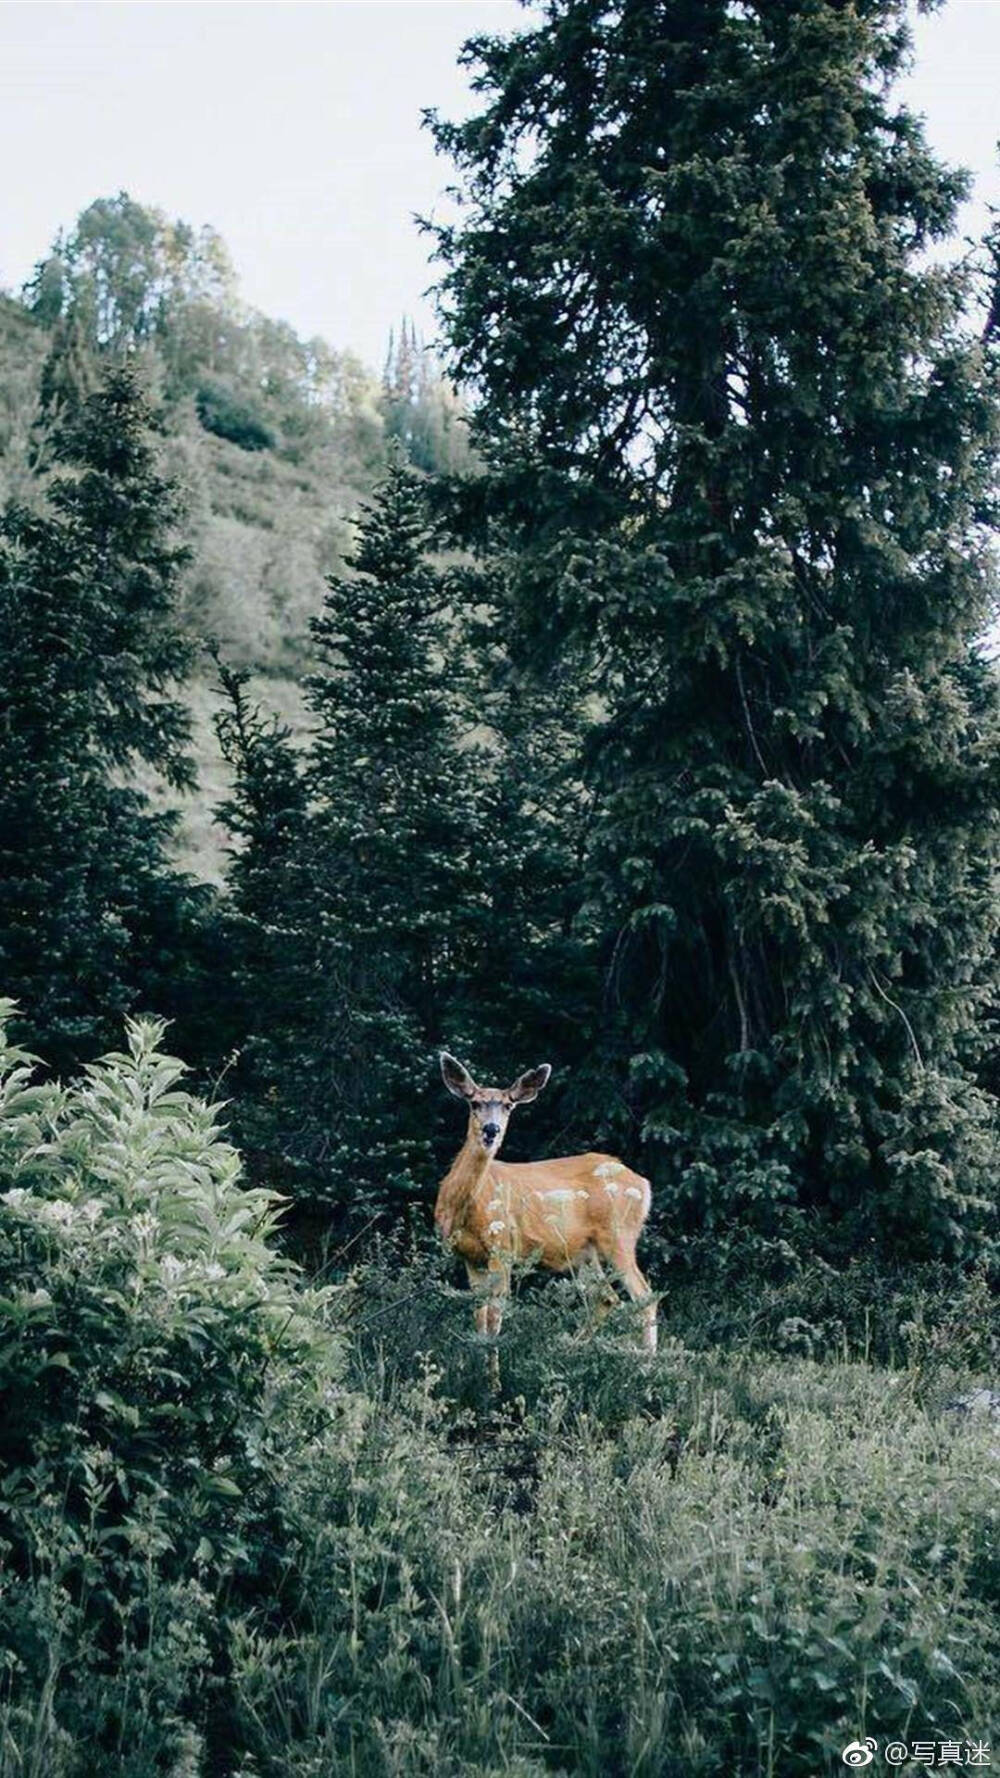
263, 533
272, 440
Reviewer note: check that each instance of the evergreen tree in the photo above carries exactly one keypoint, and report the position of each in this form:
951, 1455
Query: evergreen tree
267, 983
267, 810
530, 988
742, 439
397, 822
362, 872
69, 375
408, 881
92, 919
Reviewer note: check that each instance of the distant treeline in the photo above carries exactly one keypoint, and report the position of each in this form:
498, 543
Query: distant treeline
126, 280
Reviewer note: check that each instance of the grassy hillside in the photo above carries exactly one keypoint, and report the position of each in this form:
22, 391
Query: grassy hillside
23, 345
264, 525
272, 439
263, 534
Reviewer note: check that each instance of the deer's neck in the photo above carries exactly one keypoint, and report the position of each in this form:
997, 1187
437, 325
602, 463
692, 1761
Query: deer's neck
460, 1185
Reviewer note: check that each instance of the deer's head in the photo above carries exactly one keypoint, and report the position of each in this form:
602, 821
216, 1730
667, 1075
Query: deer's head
490, 1107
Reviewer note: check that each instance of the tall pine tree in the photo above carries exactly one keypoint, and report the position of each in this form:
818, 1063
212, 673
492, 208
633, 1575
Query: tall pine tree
742, 438
93, 920
360, 885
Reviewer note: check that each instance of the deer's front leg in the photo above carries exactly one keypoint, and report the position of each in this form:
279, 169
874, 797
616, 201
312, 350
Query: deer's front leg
490, 1284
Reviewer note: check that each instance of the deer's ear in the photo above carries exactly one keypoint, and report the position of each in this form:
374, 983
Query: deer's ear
457, 1079
528, 1086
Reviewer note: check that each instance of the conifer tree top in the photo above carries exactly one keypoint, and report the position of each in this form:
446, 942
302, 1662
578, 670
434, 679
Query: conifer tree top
682, 215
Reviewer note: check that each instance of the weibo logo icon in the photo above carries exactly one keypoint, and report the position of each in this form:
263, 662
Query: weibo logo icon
860, 1753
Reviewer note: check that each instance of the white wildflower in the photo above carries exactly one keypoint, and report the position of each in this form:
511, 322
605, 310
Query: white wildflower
560, 1194
55, 1211
611, 1187
606, 1168
632, 1191
495, 1228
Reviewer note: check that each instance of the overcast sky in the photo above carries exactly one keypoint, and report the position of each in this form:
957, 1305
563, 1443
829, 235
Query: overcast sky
294, 129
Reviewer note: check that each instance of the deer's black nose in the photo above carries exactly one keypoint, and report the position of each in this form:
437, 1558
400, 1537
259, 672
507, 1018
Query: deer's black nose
490, 1132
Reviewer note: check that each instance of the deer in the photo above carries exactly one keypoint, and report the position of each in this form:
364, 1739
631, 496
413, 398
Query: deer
566, 1214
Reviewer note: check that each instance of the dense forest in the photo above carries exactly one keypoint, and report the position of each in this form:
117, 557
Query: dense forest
632, 710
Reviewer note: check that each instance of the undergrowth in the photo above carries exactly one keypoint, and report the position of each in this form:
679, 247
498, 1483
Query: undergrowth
257, 1528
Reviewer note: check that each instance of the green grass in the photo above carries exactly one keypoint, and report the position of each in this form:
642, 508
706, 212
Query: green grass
711, 1562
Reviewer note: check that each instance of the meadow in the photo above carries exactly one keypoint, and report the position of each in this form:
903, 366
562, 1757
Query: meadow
272, 1527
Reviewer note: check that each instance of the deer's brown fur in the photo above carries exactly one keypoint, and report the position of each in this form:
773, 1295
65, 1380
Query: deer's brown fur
561, 1214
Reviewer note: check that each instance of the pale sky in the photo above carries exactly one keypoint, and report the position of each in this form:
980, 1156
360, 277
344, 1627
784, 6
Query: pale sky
294, 129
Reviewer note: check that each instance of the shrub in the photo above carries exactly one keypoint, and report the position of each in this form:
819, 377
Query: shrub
740, 1567
710, 1561
232, 416
153, 1338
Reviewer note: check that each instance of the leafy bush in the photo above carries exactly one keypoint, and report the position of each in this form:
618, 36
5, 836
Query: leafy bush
730, 1293
233, 416
152, 1335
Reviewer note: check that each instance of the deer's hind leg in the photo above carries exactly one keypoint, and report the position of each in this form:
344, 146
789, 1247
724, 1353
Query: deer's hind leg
598, 1292
626, 1270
